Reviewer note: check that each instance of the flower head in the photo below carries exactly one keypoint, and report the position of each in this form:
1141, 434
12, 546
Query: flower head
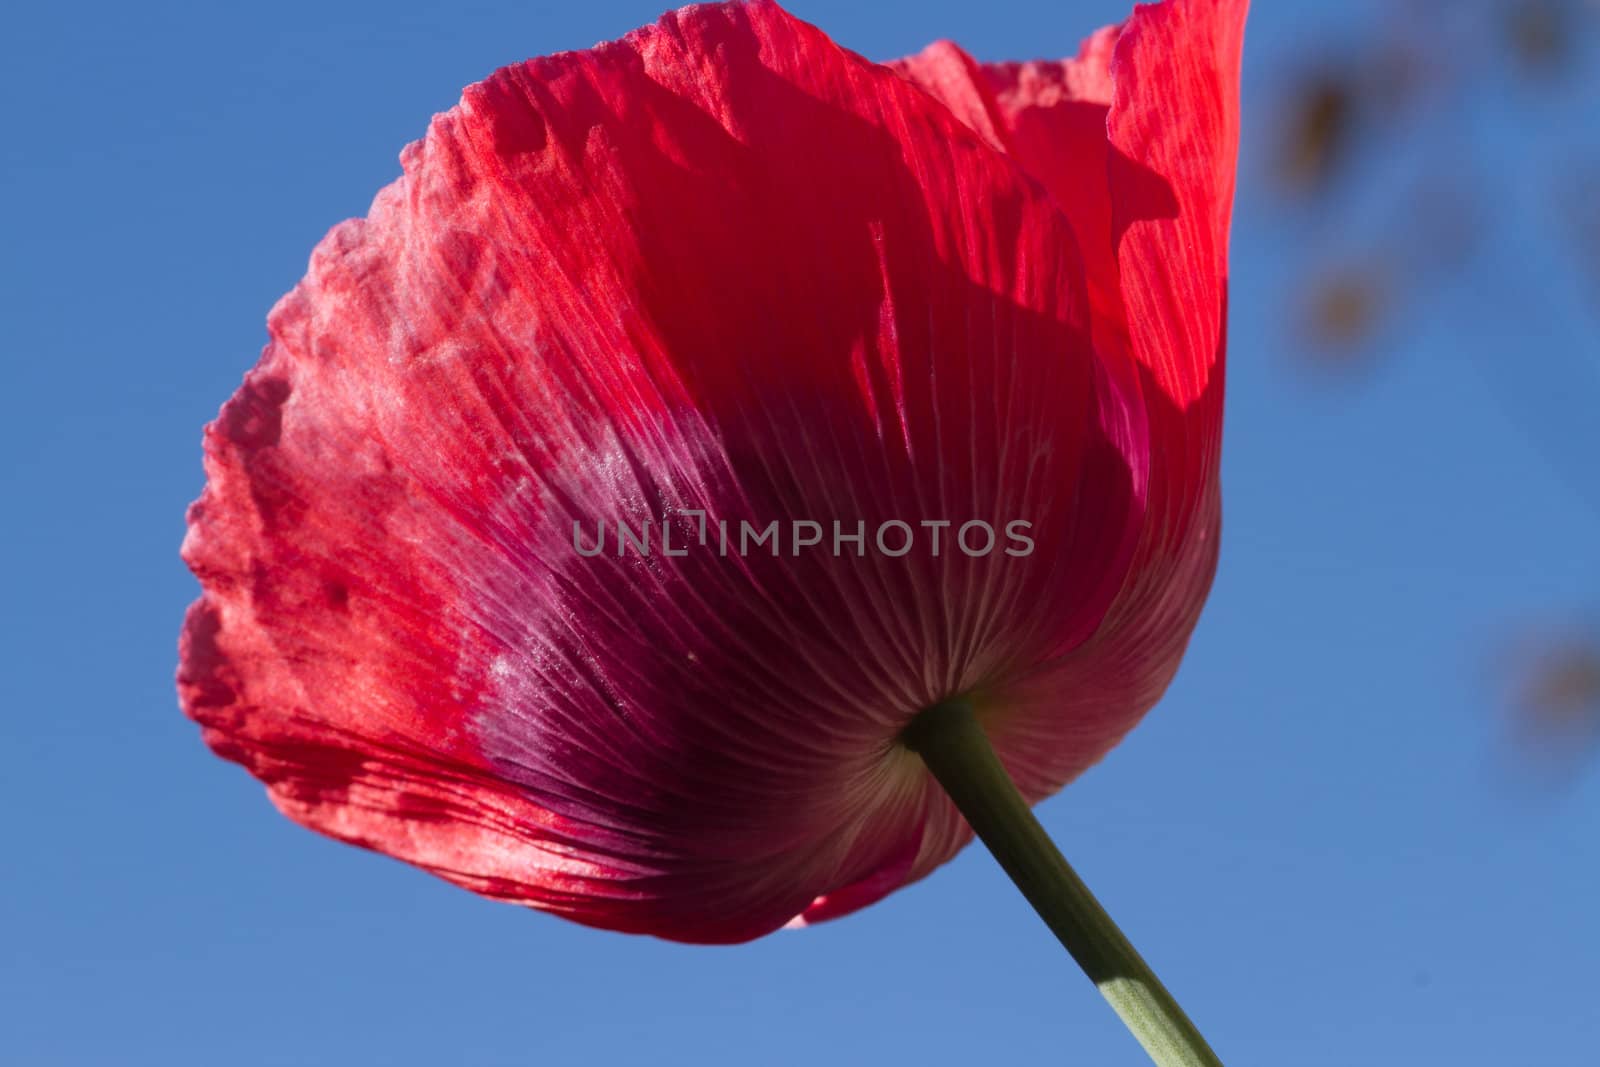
939, 343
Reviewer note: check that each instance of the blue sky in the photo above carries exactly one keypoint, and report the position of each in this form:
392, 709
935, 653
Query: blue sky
1316, 838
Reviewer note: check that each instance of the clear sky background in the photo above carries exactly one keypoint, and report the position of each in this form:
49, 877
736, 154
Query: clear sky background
1317, 838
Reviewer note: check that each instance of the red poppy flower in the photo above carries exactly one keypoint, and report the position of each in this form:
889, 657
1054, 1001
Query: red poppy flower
723, 273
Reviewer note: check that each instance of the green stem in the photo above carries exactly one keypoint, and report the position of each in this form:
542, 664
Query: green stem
951, 742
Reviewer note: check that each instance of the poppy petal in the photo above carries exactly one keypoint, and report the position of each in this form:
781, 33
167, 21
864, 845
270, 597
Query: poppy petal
1049, 116
719, 271
1136, 140
1175, 114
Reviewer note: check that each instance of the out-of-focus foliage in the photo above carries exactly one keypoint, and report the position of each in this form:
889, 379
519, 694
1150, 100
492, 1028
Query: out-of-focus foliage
1414, 86
1555, 700
1539, 33
1396, 204
1344, 305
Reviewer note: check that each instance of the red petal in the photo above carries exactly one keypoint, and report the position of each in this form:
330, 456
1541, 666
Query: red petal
1136, 140
722, 265
1051, 118
1176, 114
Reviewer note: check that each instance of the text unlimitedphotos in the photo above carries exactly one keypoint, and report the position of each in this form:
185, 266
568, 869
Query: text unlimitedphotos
893, 537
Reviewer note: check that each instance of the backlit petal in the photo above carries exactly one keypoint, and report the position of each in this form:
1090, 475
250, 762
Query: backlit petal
721, 266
